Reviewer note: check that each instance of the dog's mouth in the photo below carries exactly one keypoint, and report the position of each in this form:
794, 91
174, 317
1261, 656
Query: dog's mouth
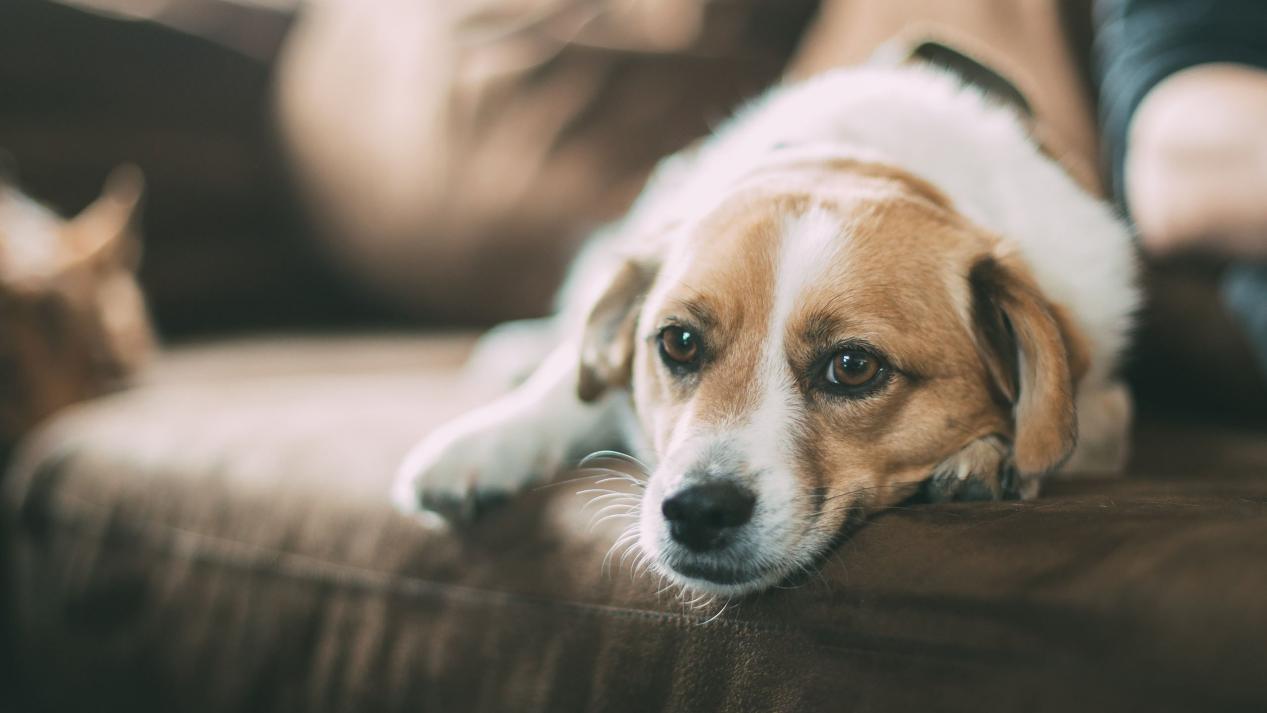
716, 574
735, 571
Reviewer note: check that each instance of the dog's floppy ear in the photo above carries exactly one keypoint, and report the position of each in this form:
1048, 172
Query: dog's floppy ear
607, 344
1034, 357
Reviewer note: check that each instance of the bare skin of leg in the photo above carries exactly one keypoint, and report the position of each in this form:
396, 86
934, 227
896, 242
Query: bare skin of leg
1196, 164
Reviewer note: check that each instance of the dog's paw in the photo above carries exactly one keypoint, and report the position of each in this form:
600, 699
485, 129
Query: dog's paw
981, 471
469, 465
947, 486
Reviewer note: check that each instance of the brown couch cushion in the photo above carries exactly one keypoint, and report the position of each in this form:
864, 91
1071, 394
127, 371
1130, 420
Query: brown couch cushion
221, 540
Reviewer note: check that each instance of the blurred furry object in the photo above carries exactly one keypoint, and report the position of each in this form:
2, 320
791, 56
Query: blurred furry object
73, 323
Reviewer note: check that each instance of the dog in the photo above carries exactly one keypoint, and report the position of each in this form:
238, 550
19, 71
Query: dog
865, 287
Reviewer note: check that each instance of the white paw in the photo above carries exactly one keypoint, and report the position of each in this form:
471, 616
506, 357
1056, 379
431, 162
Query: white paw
472, 463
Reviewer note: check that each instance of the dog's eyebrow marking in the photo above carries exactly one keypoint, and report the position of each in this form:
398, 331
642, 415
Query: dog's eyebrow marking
703, 315
697, 316
809, 244
823, 330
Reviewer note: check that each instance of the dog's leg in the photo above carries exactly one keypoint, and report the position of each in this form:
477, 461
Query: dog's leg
526, 436
508, 354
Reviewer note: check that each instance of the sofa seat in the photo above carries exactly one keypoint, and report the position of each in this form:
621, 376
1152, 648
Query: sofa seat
219, 538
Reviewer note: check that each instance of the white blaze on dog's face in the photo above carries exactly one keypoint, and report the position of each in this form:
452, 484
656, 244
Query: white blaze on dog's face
812, 350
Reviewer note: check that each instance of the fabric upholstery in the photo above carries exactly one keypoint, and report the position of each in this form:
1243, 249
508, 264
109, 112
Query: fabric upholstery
220, 540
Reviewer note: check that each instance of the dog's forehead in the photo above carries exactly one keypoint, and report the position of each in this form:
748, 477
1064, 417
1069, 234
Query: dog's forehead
871, 253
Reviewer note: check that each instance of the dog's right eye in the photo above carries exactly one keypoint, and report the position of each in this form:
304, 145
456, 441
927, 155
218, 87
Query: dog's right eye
679, 346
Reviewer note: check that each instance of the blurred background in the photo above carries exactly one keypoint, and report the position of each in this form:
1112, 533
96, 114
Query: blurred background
337, 163
184, 91
428, 143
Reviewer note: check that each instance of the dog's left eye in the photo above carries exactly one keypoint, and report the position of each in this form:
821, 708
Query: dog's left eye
678, 345
853, 368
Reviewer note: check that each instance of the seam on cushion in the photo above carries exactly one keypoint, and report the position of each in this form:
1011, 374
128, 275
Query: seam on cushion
255, 557
177, 542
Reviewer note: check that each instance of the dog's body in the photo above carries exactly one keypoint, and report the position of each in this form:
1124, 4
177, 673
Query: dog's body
864, 284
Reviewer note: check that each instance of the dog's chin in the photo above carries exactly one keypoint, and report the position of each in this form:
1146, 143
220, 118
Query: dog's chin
708, 578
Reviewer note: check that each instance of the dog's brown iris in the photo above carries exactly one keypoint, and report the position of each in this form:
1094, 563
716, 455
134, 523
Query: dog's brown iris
852, 367
679, 344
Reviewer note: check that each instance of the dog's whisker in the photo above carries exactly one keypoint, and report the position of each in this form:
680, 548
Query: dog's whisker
623, 546
624, 541
602, 501
694, 604
612, 509
605, 518
618, 495
645, 564
617, 508
614, 455
623, 479
630, 485
866, 489
625, 508
637, 553
565, 481
603, 568
619, 544
725, 605
602, 491
812, 573
628, 538
666, 582
641, 561
613, 472
607, 495
639, 481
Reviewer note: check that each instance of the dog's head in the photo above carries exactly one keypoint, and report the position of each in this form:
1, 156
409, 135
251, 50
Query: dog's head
814, 348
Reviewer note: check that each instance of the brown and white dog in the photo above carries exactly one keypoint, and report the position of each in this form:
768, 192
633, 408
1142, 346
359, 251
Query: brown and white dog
866, 285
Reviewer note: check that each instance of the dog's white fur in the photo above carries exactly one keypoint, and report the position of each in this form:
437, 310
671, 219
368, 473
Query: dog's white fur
916, 119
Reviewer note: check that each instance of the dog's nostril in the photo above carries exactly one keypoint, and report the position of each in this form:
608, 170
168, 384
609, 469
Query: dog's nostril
699, 514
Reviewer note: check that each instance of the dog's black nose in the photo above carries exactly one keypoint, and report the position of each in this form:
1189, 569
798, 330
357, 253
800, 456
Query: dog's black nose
699, 515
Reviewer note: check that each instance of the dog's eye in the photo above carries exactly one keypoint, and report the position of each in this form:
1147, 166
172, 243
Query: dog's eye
679, 345
853, 368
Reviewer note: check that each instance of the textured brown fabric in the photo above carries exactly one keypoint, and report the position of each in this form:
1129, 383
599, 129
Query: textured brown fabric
220, 540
